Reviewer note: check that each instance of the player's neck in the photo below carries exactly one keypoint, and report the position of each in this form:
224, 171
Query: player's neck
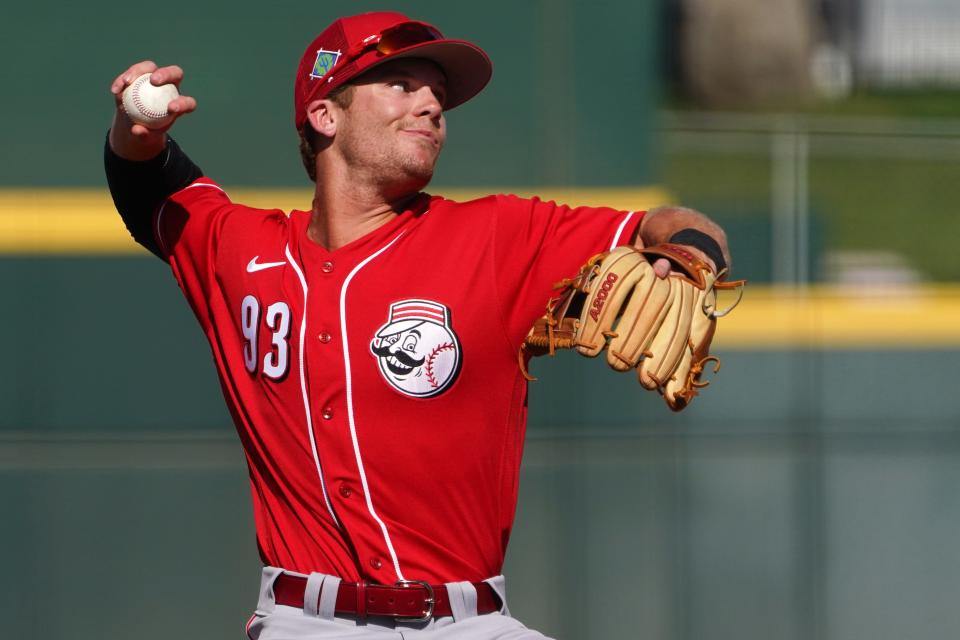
342, 215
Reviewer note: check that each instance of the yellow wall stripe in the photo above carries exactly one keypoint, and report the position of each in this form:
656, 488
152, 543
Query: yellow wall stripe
76, 221
922, 316
84, 221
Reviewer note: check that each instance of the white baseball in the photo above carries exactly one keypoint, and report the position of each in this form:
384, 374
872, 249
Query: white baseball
146, 104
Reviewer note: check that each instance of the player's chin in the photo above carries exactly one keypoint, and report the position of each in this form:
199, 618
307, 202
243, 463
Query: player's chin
421, 153
416, 181
406, 179
419, 167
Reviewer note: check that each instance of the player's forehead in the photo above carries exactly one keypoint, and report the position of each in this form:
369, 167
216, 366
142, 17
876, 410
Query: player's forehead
420, 69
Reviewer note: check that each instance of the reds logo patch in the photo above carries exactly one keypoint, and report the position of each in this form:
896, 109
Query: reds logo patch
417, 350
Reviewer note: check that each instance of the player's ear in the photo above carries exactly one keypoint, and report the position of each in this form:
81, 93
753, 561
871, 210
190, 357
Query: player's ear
323, 115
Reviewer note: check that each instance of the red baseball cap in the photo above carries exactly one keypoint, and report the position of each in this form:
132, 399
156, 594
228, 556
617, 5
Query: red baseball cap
352, 45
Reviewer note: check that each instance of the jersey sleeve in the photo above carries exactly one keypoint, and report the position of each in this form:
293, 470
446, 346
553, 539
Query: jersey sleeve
537, 243
187, 227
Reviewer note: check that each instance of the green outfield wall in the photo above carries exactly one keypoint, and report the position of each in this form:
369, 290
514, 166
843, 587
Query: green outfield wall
571, 99
809, 493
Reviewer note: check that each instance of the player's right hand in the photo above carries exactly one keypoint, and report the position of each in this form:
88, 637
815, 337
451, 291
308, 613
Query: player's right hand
135, 141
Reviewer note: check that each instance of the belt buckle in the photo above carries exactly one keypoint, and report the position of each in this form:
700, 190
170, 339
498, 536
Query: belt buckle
430, 601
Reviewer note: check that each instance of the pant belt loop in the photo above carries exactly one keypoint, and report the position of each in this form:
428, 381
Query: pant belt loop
326, 609
311, 595
362, 601
463, 600
267, 602
499, 586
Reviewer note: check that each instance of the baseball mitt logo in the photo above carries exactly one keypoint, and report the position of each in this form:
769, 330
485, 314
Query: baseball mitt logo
417, 350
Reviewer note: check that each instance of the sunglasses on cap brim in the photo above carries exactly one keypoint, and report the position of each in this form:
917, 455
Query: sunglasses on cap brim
395, 38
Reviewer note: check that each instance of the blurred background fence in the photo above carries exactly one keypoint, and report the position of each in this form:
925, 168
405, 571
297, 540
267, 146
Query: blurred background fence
841, 199
810, 493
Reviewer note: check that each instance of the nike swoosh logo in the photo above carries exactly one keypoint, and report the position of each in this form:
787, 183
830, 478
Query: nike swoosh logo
253, 265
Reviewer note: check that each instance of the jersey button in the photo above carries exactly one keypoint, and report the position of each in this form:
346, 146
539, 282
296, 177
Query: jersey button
345, 490
326, 266
325, 337
376, 563
327, 413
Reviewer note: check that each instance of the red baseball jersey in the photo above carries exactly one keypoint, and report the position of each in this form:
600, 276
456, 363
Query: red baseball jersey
375, 388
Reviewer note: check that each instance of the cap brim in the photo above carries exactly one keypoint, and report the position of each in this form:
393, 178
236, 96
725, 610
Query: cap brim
467, 67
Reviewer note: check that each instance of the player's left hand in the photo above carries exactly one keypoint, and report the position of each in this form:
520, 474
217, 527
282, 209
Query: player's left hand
663, 268
622, 302
660, 224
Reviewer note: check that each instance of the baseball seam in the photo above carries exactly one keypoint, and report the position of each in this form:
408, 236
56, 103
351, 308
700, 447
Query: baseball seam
446, 346
143, 108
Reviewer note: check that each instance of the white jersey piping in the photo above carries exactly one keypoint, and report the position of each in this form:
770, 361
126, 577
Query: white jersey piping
163, 249
353, 426
616, 236
303, 385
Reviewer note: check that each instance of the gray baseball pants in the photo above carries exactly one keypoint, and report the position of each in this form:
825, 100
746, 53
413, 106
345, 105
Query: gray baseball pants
279, 622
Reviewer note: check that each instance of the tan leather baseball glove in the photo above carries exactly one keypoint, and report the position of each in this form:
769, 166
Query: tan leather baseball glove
662, 327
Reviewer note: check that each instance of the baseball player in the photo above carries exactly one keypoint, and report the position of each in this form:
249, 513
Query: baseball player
367, 345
